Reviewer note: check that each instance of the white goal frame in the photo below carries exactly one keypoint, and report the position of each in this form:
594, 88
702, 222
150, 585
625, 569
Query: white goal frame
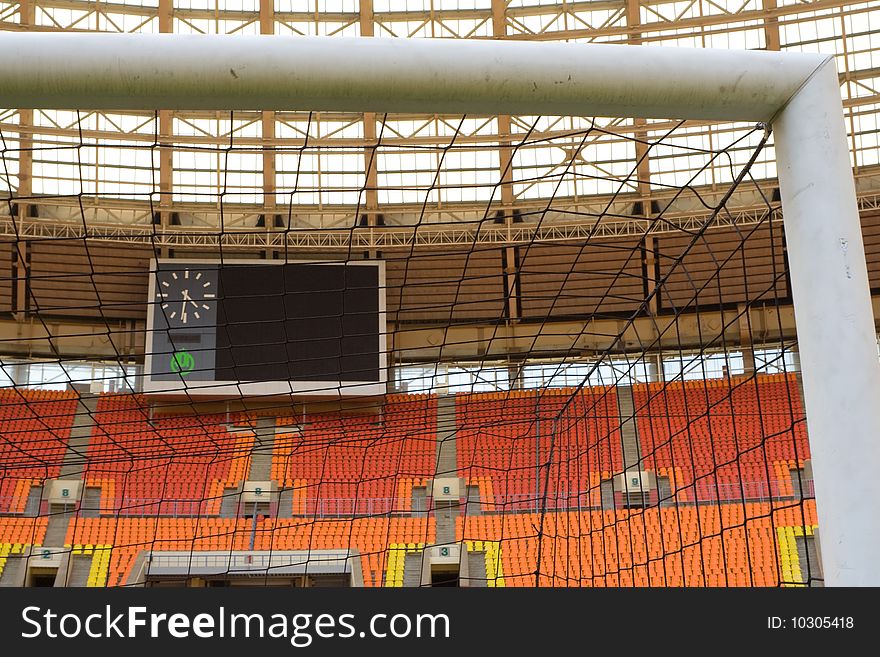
798, 94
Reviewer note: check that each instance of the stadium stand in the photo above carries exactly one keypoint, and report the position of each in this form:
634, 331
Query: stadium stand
162, 480
562, 349
34, 428
705, 545
719, 438
125, 538
498, 450
360, 464
170, 465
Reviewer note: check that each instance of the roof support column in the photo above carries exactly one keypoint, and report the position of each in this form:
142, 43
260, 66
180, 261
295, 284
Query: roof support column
166, 135
771, 26
510, 256
371, 172
267, 121
25, 184
643, 163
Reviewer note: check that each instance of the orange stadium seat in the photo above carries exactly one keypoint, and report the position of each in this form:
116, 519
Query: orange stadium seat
352, 475
497, 433
360, 464
720, 439
34, 429
130, 536
706, 545
170, 465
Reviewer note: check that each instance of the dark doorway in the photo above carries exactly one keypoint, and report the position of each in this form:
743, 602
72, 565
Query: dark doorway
444, 578
43, 580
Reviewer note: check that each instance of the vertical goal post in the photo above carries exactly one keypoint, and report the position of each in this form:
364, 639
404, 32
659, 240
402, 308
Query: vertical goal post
796, 94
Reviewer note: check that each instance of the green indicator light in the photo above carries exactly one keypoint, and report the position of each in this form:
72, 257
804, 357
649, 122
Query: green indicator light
182, 362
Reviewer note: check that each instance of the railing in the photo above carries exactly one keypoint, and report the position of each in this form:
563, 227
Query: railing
750, 491
224, 562
154, 507
702, 492
361, 506
118, 507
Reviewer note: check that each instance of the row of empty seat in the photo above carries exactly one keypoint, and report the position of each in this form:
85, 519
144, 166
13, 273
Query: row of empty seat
708, 440
130, 536
713, 438
141, 459
34, 430
726, 545
351, 458
522, 441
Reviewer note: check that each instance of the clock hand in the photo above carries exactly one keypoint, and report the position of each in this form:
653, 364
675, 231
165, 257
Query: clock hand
186, 298
183, 311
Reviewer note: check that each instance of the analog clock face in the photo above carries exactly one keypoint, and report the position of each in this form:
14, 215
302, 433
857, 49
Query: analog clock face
185, 297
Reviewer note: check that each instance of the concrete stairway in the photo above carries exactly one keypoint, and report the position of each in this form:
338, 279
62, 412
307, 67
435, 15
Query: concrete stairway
91, 502
13, 572
229, 503
75, 457
419, 502
447, 454
285, 503
664, 492
444, 517
474, 508
629, 434
80, 566
447, 465
606, 491
809, 560
32, 506
412, 570
477, 569
264, 445
56, 528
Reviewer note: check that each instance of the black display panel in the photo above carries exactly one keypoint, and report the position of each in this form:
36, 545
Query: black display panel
297, 322
262, 328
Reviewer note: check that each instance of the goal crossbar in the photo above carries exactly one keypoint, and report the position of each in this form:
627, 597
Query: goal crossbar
197, 72
797, 94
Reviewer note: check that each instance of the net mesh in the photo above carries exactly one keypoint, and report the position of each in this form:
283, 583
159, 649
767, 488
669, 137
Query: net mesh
587, 384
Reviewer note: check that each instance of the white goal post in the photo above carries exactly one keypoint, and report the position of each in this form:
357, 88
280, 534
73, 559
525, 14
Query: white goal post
798, 94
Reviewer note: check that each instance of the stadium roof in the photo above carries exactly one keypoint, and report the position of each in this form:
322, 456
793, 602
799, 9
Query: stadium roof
126, 173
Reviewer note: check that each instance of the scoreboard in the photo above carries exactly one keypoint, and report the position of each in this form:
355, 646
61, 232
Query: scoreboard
257, 327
